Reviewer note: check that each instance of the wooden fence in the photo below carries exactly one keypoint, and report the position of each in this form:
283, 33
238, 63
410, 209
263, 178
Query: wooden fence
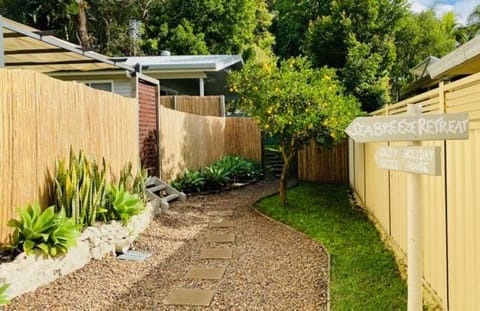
40, 118
199, 105
450, 202
191, 141
321, 164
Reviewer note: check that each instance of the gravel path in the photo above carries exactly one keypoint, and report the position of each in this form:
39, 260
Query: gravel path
273, 267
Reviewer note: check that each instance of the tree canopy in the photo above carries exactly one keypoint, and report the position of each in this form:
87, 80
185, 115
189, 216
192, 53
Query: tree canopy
295, 102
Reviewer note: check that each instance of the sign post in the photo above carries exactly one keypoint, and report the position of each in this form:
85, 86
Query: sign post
415, 160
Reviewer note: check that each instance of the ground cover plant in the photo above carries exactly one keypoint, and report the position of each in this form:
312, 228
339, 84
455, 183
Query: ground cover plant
364, 275
219, 175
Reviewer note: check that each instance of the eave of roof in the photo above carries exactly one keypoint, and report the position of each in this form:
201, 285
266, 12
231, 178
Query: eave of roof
29, 48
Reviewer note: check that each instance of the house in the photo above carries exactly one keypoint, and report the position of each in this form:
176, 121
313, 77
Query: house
463, 61
196, 75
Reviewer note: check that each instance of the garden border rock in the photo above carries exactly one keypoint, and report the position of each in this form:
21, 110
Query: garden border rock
27, 273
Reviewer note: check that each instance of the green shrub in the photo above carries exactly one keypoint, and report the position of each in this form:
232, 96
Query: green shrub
80, 188
44, 230
121, 205
3, 297
189, 182
239, 169
216, 177
133, 184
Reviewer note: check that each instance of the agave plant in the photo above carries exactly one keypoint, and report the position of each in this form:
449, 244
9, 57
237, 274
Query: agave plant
122, 205
133, 184
44, 230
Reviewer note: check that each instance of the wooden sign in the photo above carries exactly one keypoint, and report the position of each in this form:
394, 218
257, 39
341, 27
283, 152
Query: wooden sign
409, 127
418, 160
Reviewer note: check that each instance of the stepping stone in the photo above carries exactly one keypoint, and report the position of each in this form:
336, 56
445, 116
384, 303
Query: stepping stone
222, 224
220, 237
190, 297
221, 213
205, 273
216, 253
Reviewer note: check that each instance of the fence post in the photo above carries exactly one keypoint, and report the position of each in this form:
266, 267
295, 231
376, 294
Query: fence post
441, 96
2, 61
222, 105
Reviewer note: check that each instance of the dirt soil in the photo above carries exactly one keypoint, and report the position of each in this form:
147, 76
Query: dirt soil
273, 267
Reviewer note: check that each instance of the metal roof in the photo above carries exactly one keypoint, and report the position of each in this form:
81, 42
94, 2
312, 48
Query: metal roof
184, 62
25, 47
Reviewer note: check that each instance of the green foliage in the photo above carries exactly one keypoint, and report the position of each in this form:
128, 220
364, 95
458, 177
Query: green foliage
3, 298
190, 181
357, 37
44, 230
80, 188
133, 184
295, 103
218, 175
122, 205
359, 258
202, 27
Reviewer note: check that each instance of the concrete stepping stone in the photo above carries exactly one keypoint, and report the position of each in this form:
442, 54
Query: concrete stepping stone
220, 237
220, 213
205, 273
222, 224
216, 253
190, 297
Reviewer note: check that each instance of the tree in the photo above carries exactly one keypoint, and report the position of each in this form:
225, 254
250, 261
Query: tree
222, 26
419, 36
357, 37
296, 103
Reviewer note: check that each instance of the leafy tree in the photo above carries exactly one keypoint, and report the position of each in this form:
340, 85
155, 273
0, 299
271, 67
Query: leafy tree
222, 26
357, 37
466, 33
420, 35
296, 103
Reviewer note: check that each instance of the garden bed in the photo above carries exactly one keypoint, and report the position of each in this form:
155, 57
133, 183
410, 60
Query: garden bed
27, 273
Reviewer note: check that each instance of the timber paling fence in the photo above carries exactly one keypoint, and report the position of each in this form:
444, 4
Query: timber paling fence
450, 202
40, 118
199, 105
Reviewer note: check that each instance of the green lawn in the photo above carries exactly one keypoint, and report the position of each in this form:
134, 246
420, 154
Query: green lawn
364, 275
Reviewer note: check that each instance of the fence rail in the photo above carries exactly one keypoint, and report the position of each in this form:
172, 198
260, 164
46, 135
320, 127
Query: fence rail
450, 211
40, 118
199, 105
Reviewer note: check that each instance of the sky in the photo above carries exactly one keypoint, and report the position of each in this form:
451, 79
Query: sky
461, 8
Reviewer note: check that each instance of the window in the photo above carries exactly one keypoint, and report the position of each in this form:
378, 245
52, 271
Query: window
101, 85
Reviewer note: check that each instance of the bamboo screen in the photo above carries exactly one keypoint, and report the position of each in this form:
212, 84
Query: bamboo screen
41, 118
191, 141
199, 105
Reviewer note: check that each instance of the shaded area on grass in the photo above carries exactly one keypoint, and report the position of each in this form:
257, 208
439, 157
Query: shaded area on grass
364, 275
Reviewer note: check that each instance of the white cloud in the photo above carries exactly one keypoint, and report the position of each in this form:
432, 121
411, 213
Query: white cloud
461, 8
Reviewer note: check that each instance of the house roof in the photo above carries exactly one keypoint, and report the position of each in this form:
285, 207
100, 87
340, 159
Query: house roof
205, 63
25, 47
465, 60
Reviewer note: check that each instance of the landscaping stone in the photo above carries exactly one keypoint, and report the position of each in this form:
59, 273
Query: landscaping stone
216, 253
205, 273
220, 237
221, 213
191, 297
26, 273
222, 224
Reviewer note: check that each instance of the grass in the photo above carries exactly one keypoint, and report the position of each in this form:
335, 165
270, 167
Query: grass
364, 275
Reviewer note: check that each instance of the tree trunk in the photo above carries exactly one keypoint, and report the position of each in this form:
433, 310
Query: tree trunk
287, 159
81, 24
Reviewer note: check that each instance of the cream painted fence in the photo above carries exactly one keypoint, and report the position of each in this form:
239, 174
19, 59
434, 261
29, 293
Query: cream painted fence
450, 202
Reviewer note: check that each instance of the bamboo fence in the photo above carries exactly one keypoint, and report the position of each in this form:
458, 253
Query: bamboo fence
199, 105
191, 141
40, 118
